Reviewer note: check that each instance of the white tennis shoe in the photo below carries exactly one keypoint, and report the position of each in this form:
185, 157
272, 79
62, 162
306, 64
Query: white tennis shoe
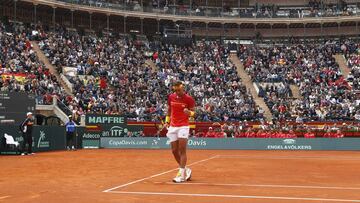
188, 174
180, 177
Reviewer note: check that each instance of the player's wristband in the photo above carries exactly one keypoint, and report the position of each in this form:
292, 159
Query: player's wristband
167, 119
192, 114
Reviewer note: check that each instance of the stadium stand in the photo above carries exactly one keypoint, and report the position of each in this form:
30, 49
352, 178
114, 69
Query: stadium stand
135, 90
326, 94
110, 72
20, 68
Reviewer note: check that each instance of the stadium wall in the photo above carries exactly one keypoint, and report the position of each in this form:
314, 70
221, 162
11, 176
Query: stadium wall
45, 138
50, 138
235, 144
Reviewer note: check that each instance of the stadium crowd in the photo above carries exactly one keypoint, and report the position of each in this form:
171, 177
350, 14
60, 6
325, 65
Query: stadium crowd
20, 68
111, 74
213, 81
325, 93
352, 54
114, 78
275, 130
133, 88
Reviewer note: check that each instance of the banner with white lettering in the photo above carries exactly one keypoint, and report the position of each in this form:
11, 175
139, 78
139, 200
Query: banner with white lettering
236, 143
102, 119
101, 125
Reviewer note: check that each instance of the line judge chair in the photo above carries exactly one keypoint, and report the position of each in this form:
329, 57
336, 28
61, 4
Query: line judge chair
9, 144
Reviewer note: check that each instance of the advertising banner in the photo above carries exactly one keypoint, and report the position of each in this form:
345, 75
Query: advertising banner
102, 119
48, 138
236, 143
91, 139
102, 125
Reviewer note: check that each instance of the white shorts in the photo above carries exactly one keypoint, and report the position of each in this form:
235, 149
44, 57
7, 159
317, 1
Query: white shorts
174, 133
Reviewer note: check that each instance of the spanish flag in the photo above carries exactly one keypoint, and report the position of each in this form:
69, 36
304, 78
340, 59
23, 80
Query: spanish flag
20, 77
93, 128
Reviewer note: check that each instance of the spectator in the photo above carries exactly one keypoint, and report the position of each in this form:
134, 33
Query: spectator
310, 134
20, 68
250, 133
261, 134
338, 134
26, 128
210, 133
328, 134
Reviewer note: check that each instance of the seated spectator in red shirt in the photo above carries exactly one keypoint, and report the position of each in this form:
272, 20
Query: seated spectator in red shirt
338, 134
272, 134
220, 133
328, 134
267, 134
291, 134
250, 133
200, 134
309, 134
261, 134
210, 133
239, 134
281, 134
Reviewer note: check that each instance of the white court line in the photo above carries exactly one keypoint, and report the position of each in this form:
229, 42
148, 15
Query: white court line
286, 157
4, 197
159, 174
236, 196
256, 185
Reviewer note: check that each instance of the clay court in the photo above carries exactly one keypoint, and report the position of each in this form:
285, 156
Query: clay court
145, 176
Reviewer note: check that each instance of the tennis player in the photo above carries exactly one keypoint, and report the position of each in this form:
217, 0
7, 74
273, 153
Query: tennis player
180, 108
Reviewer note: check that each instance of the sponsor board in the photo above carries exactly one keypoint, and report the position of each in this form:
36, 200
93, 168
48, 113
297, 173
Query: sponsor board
91, 144
91, 139
101, 125
47, 138
289, 144
124, 142
114, 131
121, 131
289, 147
235, 143
197, 142
193, 142
100, 119
91, 135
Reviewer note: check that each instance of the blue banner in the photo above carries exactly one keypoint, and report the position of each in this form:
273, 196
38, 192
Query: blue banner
235, 143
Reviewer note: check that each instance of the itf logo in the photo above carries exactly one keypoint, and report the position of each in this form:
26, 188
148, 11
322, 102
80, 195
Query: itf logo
115, 131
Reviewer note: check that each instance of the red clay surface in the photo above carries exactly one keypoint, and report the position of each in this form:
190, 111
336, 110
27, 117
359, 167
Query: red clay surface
230, 176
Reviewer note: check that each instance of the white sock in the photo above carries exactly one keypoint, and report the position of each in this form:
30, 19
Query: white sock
182, 171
